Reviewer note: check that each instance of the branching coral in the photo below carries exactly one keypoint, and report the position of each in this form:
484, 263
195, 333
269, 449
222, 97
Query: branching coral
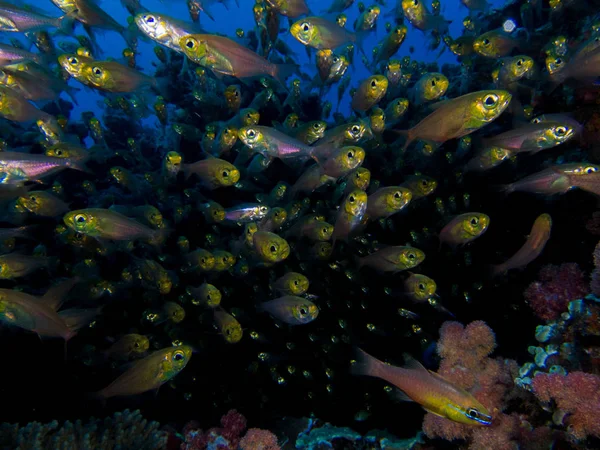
126, 430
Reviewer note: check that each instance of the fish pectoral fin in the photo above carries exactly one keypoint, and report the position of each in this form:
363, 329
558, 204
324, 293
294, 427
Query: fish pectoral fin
433, 412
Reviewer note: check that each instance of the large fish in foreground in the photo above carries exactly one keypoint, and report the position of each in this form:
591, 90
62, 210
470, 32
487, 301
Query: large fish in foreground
40, 314
460, 116
430, 390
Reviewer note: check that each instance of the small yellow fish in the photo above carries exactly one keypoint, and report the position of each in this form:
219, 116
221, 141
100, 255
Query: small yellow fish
369, 92
228, 325
149, 373
464, 228
292, 283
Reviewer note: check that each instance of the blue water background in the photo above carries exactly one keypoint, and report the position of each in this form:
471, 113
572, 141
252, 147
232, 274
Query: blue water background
228, 20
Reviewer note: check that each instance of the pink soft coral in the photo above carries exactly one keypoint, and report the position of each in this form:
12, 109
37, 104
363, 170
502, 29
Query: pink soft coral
466, 363
578, 395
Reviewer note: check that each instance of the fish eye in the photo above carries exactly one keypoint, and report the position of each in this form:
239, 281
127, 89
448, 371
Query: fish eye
433, 83
303, 311
486, 42
149, 19
33, 198
225, 174
58, 152
416, 3
190, 43
305, 27
316, 125
178, 356
295, 282
136, 345
373, 84
224, 260
351, 199
228, 331
203, 260
472, 413
519, 62
561, 131
421, 286
73, 61
97, 71
474, 221
424, 183
335, 59
80, 218
251, 133
559, 61
350, 154
397, 195
411, 256
355, 129
590, 169
490, 100
273, 248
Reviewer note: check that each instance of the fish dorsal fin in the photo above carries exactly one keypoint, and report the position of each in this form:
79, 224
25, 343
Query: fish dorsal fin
56, 295
412, 364
401, 396
437, 376
438, 105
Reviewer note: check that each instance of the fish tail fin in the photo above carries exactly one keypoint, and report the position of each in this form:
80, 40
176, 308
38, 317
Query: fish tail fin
66, 23
360, 40
365, 364
495, 270
284, 71
96, 396
76, 319
503, 188
78, 165
159, 237
71, 91
406, 134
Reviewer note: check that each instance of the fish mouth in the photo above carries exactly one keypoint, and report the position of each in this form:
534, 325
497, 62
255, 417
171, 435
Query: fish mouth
483, 419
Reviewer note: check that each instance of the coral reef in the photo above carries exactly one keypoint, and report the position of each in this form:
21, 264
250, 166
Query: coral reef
324, 436
228, 436
257, 439
466, 362
577, 396
126, 430
595, 282
555, 288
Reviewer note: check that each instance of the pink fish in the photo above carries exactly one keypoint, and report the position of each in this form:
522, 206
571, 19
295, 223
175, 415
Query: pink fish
533, 247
